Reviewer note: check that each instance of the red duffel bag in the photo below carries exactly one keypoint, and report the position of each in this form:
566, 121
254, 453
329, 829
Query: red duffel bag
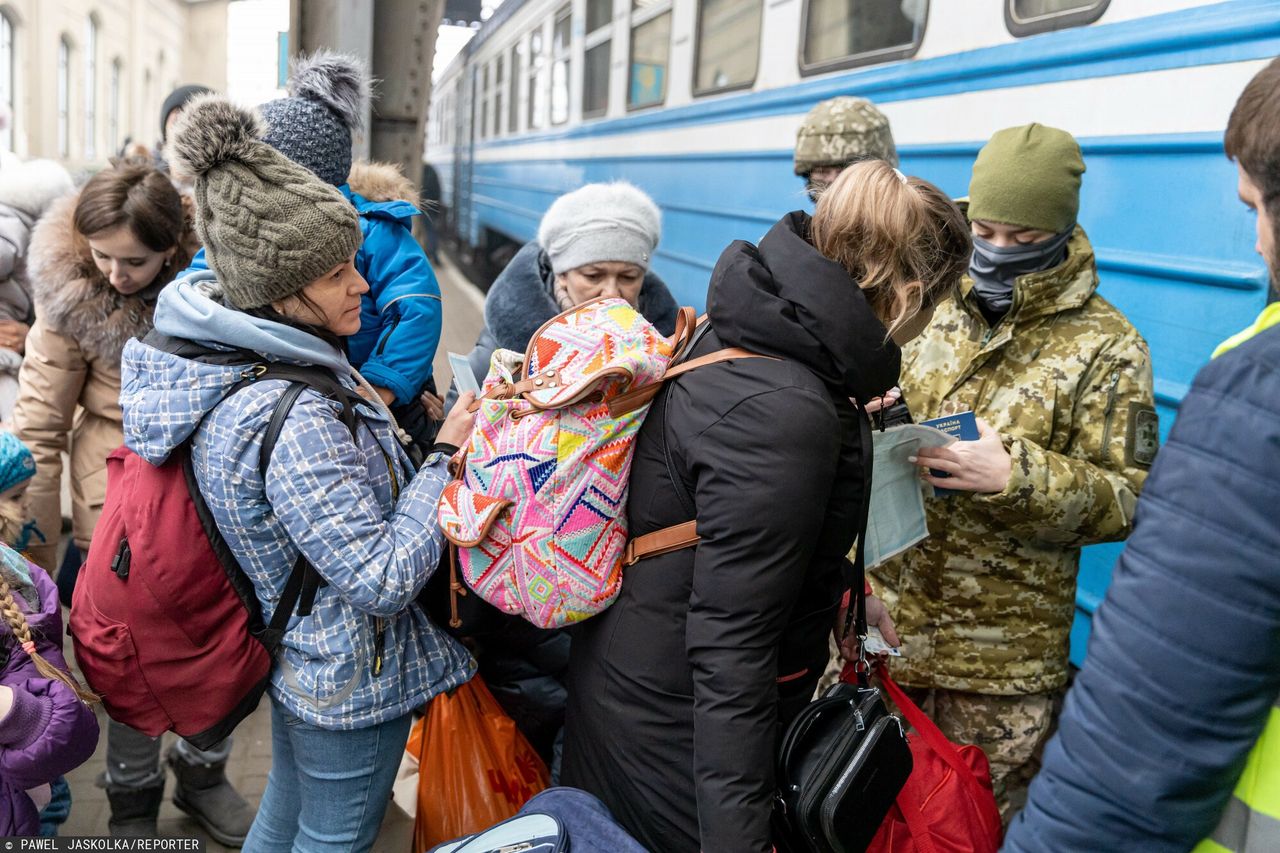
947, 805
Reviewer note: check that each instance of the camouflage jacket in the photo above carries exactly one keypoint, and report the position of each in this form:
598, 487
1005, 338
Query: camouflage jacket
985, 604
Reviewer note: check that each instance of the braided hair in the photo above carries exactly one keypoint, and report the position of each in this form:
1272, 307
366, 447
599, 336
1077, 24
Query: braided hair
17, 622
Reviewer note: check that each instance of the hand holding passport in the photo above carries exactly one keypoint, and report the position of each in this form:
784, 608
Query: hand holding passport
978, 463
962, 426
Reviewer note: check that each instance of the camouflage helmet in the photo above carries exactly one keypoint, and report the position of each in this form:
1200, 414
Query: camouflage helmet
841, 131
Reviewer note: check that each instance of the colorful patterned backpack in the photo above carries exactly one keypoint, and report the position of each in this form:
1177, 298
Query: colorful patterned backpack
538, 512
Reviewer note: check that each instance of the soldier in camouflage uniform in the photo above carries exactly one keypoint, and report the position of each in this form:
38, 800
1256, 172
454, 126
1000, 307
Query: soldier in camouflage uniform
836, 133
1061, 384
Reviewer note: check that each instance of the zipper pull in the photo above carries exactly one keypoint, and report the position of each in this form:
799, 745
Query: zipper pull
1109, 410
379, 643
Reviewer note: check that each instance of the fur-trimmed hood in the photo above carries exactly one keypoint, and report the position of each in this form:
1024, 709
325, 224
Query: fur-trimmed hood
75, 299
381, 182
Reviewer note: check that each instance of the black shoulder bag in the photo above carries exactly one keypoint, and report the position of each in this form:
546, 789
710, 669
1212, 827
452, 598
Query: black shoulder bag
844, 758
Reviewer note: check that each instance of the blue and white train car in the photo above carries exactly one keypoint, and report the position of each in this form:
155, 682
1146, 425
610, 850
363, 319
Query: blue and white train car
698, 102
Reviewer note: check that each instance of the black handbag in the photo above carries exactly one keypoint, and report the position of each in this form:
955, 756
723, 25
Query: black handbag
844, 758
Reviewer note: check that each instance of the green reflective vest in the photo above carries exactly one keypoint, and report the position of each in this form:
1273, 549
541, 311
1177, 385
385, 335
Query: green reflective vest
1269, 317
1251, 820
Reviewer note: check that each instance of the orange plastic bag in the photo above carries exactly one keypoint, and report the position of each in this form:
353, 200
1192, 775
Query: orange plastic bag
475, 768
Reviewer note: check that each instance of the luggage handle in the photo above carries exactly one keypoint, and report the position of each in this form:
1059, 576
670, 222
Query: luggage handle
928, 730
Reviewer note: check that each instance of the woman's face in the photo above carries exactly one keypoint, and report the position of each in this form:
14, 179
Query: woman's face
1007, 236
125, 262
611, 279
332, 301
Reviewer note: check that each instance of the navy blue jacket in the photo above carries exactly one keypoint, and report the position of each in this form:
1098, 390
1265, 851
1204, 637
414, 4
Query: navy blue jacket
401, 314
1184, 661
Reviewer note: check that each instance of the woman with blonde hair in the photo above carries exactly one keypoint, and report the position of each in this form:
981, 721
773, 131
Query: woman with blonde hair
678, 692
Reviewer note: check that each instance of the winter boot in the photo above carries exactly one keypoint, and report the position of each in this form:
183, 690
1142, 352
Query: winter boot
134, 810
203, 792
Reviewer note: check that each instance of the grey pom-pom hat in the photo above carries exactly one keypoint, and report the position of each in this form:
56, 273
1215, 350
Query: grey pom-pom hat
600, 222
328, 96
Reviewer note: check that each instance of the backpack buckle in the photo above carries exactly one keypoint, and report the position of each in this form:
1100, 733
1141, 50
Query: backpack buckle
120, 564
253, 371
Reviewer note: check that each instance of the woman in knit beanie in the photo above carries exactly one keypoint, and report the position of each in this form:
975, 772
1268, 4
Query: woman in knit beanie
1060, 384
283, 289
596, 241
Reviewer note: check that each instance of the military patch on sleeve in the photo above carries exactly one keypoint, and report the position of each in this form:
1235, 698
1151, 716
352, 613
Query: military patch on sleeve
1144, 436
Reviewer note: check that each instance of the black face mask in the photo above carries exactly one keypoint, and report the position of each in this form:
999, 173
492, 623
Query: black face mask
994, 269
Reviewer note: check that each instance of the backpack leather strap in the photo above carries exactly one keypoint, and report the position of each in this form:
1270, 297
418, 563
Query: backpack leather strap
677, 537
632, 400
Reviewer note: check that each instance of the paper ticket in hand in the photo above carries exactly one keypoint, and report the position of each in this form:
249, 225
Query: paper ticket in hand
462, 375
877, 646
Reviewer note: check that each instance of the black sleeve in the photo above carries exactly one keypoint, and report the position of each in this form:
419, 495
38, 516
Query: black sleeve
763, 475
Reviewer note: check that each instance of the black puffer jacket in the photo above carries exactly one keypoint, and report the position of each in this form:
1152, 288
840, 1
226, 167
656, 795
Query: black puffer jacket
678, 691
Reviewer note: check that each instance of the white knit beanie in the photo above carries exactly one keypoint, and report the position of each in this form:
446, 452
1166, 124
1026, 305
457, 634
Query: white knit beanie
600, 222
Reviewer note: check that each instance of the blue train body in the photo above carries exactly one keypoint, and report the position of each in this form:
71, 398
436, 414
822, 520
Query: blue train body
1146, 91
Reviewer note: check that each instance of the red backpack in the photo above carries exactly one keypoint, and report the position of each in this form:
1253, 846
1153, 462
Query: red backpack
166, 625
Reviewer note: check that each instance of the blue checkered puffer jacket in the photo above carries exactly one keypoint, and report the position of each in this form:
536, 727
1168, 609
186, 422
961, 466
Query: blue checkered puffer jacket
356, 510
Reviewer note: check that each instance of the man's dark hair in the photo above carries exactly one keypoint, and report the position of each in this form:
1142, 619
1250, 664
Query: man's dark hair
1253, 132
1253, 141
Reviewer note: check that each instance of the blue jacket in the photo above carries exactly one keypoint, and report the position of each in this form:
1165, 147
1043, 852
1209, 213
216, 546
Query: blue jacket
356, 510
1184, 661
400, 316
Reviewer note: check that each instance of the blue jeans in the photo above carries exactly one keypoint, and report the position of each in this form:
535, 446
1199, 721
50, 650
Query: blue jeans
327, 790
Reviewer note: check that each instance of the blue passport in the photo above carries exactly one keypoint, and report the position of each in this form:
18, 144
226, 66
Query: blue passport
963, 426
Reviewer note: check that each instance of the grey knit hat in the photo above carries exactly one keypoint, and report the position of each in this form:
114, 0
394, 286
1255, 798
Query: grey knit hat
600, 222
269, 226
328, 95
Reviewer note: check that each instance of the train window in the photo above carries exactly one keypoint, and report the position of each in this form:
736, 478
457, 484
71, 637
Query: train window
499, 86
595, 80
728, 45
537, 87
843, 33
560, 67
599, 13
513, 91
560, 40
1028, 17
650, 50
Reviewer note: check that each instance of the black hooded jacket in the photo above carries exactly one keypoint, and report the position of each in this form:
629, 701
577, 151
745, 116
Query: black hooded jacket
678, 692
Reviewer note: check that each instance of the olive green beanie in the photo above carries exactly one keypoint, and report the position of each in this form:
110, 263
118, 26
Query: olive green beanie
1028, 176
269, 226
